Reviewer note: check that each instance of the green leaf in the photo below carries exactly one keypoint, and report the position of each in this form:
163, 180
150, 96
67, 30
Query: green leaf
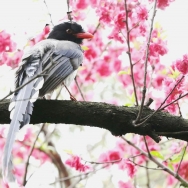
156, 154
176, 158
124, 72
44, 146
174, 74
170, 165
131, 101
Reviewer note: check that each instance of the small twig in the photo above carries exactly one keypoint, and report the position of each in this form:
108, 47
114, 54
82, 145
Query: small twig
171, 92
136, 25
146, 167
149, 102
105, 162
142, 121
68, 5
165, 168
179, 109
129, 52
135, 177
180, 97
79, 88
135, 156
146, 65
97, 27
147, 175
48, 12
146, 144
183, 154
30, 153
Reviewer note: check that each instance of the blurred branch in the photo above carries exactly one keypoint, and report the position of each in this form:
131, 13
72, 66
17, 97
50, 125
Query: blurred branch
30, 153
117, 119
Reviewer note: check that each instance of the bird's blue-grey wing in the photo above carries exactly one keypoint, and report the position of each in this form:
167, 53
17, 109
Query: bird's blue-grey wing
67, 58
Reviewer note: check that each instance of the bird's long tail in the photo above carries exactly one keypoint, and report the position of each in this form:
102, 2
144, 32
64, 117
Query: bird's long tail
21, 108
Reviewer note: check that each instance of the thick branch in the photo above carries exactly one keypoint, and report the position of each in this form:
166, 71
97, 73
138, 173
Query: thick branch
116, 119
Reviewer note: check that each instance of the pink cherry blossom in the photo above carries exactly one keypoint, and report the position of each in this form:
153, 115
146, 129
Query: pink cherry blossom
120, 20
6, 44
182, 65
162, 4
183, 171
116, 35
75, 162
82, 4
142, 13
110, 156
115, 155
184, 85
171, 181
128, 166
158, 48
157, 82
104, 70
91, 53
11, 59
43, 157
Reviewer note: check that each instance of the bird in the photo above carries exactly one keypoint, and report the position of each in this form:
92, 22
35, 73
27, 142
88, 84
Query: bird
44, 67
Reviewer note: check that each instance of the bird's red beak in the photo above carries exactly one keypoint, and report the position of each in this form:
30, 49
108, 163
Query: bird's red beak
84, 35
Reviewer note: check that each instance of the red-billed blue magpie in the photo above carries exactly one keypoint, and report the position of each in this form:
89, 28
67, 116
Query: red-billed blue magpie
57, 58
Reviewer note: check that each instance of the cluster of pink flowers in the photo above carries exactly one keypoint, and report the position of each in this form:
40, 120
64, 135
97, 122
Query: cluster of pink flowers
162, 4
182, 64
75, 162
115, 157
6, 44
11, 56
11, 59
8, 53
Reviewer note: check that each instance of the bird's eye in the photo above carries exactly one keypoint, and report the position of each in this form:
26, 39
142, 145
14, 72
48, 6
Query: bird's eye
69, 31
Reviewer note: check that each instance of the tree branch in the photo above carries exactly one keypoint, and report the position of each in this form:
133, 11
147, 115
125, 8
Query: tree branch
117, 119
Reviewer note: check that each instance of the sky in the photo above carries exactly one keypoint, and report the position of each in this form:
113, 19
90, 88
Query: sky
174, 21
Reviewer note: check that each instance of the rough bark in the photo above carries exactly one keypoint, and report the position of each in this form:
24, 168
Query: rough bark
117, 119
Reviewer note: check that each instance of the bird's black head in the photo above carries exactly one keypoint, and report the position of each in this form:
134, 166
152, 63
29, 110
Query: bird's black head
69, 31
